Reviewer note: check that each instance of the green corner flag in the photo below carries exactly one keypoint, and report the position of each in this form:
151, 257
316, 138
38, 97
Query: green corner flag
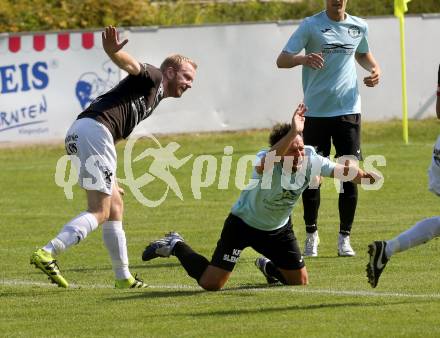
400, 7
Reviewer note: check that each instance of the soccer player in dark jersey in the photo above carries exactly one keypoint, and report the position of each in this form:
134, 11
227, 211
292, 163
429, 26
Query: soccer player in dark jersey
380, 252
92, 138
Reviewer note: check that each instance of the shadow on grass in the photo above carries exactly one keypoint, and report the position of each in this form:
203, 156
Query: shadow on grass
235, 312
146, 293
155, 265
160, 294
132, 267
32, 293
253, 287
335, 257
88, 269
247, 311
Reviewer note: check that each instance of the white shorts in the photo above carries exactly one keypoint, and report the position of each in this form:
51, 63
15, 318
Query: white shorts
91, 144
434, 169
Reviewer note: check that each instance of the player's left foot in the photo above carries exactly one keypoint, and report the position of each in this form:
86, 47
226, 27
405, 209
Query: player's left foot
162, 247
377, 262
130, 283
344, 246
44, 261
260, 263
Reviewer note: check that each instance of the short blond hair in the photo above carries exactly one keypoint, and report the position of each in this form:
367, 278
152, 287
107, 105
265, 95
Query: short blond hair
176, 61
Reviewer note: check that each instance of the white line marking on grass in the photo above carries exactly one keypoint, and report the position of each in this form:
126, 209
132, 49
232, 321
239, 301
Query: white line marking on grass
12, 282
341, 292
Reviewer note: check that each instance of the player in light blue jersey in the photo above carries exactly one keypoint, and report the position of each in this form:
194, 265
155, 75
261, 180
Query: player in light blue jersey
380, 252
261, 217
333, 40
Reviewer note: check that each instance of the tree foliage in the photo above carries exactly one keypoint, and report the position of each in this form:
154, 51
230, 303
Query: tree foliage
43, 15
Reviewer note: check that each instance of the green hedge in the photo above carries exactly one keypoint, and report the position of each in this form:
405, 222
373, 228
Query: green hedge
42, 15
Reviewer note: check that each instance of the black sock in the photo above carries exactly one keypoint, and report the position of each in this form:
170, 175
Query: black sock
311, 201
192, 262
347, 207
311, 228
273, 271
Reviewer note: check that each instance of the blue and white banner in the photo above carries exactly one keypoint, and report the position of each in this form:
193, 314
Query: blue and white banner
47, 80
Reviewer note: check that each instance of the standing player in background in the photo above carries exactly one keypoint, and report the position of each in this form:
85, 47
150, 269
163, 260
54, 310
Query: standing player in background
92, 138
332, 40
381, 251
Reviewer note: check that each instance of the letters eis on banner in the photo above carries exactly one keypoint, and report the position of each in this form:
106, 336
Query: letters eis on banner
44, 76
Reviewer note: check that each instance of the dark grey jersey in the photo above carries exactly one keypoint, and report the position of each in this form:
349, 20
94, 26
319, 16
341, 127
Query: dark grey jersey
131, 101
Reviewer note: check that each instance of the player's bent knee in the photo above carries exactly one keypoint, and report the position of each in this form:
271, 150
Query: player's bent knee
116, 211
295, 277
213, 279
211, 285
100, 215
99, 205
301, 281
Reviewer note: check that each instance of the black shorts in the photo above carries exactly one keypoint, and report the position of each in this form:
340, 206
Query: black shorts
344, 131
279, 245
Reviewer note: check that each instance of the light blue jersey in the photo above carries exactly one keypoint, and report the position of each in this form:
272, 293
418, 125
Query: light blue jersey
268, 207
332, 90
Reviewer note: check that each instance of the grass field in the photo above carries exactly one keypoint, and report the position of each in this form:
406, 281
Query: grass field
338, 302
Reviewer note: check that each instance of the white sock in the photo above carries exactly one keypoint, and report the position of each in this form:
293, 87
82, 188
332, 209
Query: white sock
114, 238
420, 233
72, 233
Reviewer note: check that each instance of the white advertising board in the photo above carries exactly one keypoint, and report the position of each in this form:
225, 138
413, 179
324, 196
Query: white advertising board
47, 79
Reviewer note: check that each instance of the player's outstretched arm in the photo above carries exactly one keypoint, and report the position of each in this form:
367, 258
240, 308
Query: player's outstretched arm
349, 172
297, 126
281, 147
113, 47
312, 60
369, 63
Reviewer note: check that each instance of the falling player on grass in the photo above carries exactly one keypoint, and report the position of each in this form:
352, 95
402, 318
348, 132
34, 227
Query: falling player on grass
261, 218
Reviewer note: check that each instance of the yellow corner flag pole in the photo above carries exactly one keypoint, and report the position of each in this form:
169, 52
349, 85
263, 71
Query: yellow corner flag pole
400, 7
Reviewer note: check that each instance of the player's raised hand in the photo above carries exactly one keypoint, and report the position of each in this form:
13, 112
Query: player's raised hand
373, 79
298, 118
313, 60
110, 41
